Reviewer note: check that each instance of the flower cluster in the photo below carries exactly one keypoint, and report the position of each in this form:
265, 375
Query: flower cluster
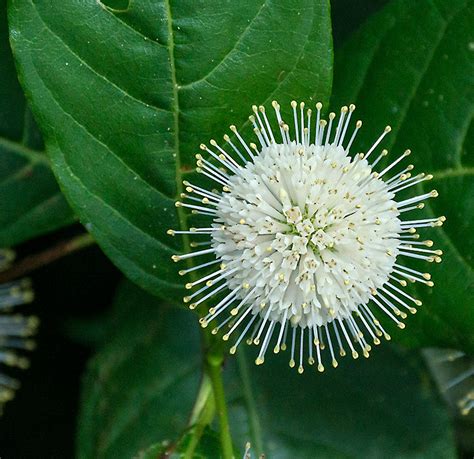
306, 239
15, 329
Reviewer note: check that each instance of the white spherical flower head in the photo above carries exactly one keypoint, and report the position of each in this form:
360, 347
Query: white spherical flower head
307, 238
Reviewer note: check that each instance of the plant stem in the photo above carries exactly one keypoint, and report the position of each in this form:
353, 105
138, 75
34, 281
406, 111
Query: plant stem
37, 260
213, 363
201, 416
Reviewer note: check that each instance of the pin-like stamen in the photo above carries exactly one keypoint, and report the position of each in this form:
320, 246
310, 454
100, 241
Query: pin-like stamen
307, 237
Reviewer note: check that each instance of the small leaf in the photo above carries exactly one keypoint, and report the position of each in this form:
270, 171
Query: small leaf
141, 385
30, 201
125, 97
411, 66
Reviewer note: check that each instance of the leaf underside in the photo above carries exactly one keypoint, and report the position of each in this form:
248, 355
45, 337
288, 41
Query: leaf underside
31, 202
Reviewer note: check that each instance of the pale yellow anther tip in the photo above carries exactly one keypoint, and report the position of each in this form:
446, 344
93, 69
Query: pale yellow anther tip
320, 368
294, 103
388, 128
300, 370
170, 232
175, 258
291, 363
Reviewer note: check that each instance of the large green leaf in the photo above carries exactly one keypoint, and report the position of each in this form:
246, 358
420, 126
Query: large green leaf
30, 201
140, 387
380, 407
125, 97
412, 66
139, 391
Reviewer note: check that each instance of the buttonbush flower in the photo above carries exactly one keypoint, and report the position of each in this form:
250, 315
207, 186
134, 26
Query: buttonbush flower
306, 239
15, 329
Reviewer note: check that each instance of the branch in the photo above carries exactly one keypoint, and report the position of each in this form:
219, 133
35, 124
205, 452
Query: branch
37, 260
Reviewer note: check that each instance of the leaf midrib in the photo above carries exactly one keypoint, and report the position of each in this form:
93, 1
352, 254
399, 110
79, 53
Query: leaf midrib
175, 110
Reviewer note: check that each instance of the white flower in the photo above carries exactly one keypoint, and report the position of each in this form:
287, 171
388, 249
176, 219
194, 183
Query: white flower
306, 238
15, 329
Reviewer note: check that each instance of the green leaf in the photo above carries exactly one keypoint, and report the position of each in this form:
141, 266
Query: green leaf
140, 387
30, 201
139, 390
411, 66
125, 97
208, 447
380, 407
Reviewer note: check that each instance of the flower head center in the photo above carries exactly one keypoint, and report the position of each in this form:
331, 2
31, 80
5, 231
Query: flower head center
303, 228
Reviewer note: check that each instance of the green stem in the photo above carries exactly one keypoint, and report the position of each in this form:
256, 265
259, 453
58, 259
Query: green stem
254, 422
213, 364
201, 416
